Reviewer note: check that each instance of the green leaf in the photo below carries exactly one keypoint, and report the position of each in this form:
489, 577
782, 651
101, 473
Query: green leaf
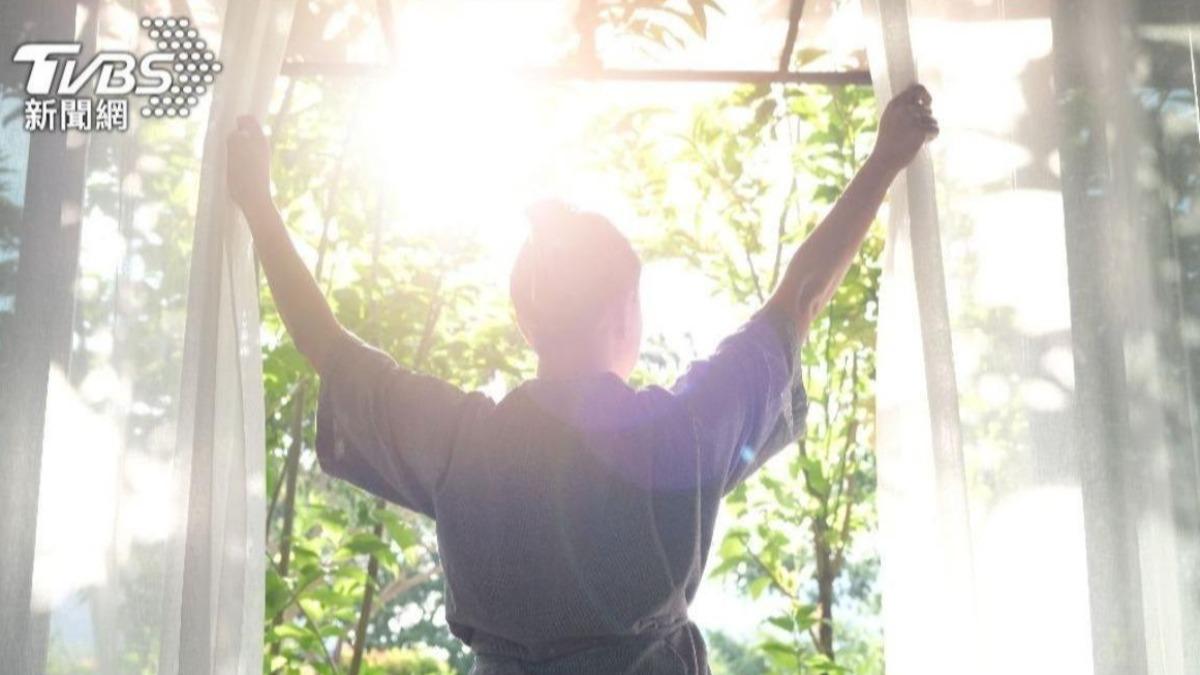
314, 608
757, 586
732, 547
364, 543
287, 630
814, 478
399, 531
701, 23
765, 110
277, 592
784, 623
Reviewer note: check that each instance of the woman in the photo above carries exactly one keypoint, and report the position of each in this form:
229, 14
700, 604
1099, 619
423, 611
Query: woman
574, 516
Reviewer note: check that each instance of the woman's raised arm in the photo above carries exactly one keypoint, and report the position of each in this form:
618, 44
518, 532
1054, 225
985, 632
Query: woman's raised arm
305, 311
818, 266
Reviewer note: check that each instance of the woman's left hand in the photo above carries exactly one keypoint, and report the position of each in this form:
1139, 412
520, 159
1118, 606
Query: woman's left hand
906, 125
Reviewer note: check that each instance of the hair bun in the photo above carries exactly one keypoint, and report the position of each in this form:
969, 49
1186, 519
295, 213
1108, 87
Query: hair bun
548, 214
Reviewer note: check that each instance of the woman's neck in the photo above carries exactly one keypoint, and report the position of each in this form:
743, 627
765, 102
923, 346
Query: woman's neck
567, 365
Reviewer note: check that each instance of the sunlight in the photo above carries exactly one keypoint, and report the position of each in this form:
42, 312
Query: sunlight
1048, 520
435, 139
464, 141
79, 497
456, 138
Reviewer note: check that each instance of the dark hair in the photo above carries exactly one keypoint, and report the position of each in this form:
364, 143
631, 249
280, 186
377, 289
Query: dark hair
572, 264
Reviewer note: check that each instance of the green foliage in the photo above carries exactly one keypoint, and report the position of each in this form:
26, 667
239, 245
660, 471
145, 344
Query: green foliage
403, 662
728, 656
661, 24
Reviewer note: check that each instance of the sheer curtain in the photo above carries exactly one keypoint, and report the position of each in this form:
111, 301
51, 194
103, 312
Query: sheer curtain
1039, 476
132, 479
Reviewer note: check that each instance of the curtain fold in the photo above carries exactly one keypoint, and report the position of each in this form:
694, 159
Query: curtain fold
41, 187
134, 514
922, 485
219, 607
1057, 216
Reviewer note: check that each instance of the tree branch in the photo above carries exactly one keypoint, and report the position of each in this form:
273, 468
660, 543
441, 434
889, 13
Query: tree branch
280, 483
789, 43
839, 556
399, 587
776, 582
777, 265
851, 426
365, 612
758, 289
290, 471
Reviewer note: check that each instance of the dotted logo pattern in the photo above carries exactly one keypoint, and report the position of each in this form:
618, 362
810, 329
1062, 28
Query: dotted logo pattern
194, 68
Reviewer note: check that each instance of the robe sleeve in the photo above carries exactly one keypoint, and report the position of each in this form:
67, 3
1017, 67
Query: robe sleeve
746, 401
389, 430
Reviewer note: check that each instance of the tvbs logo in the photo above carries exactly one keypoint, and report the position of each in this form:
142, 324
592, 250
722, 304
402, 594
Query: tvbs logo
171, 78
